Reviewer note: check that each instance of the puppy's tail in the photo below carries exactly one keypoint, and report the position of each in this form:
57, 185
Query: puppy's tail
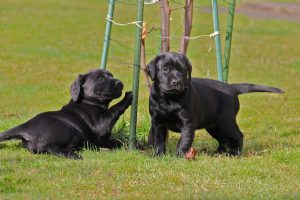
243, 88
14, 133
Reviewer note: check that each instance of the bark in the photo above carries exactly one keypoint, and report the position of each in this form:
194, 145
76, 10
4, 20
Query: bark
187, 26
143, 64
165, 25
143, 55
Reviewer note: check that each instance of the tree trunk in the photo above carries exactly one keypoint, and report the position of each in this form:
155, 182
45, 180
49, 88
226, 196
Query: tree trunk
165, 25
187, 26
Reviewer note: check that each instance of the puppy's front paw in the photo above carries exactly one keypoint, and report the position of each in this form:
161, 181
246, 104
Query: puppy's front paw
181, 152
159, 151
128, 97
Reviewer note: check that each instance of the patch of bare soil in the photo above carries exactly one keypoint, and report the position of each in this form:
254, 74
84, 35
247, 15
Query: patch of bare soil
266, 10
271, 10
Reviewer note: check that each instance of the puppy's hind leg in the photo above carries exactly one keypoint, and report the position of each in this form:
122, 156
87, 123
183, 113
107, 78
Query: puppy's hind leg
223, 142
63, 153
111, 143
229, 136
14, 133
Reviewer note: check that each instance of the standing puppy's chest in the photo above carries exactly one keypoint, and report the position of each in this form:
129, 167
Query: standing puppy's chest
169, 114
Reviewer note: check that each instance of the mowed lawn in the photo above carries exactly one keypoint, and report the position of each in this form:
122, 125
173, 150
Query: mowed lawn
45, 44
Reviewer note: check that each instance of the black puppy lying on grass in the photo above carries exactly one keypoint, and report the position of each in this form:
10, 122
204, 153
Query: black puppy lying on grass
85, 119
183, 104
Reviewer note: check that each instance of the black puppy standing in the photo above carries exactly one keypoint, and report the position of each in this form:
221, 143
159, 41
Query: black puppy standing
184, 104
86, 118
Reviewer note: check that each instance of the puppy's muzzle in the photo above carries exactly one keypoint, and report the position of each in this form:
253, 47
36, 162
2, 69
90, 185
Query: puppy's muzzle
119, 85
175, 82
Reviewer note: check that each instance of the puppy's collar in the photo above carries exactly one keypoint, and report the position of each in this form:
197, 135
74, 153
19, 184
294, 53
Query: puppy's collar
94, 102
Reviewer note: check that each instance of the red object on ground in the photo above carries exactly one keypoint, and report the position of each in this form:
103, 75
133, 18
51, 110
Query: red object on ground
191, 154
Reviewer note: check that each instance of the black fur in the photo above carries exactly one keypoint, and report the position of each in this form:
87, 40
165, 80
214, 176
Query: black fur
183, 105
85, 119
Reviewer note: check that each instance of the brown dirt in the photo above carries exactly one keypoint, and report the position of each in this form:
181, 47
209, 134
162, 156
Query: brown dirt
266, 10
270, 10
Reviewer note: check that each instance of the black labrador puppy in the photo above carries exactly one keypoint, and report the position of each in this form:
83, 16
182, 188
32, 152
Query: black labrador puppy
85, 119
184, 104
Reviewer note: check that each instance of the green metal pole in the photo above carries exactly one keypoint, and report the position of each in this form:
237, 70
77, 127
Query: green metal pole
136, 75
106, 41
217, 39
228, 40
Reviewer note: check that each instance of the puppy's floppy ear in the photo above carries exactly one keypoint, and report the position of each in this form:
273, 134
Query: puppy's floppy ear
150, 68
76, 88
189, 66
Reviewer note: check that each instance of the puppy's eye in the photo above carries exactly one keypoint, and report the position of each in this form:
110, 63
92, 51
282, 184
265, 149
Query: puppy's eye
101, 80
165, 69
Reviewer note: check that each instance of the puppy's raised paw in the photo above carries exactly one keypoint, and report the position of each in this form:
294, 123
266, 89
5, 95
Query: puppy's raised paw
128, 97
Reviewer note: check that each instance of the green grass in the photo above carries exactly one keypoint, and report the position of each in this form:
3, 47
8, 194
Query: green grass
44, 45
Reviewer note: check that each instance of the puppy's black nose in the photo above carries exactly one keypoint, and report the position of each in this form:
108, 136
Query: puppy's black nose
175, 82
119, 84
